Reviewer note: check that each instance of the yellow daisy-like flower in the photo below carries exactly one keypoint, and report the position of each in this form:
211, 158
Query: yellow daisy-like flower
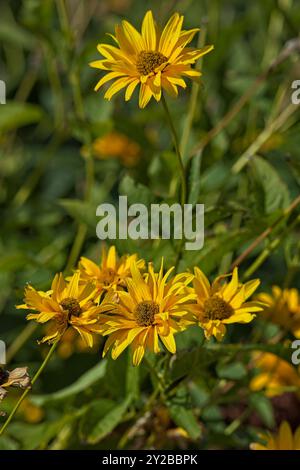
283, 308
276, 377
220, 304
116, 145
66, 305
284, 439
111, 273
153, 309
155, 60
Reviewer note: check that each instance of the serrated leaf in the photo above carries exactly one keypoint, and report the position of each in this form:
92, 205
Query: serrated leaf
275, 192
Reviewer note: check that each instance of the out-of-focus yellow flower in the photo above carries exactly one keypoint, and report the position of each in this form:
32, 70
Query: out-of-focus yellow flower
219, 304
283, 308
66, 305
71, 343
276, 377
31, 413
155, 60
284, 439
116, 145
112, 271
153, 309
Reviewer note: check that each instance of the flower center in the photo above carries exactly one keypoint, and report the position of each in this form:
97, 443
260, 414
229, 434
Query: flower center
72, 306
216, 308
108, 276
147, 61
145, 312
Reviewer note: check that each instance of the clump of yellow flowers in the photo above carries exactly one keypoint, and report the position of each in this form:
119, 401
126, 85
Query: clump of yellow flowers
131, 305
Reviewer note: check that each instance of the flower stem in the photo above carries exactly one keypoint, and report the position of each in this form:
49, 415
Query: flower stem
177, 149
27, 390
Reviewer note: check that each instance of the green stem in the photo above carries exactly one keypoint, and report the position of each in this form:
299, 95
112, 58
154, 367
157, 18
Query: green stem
25, 393
177, 150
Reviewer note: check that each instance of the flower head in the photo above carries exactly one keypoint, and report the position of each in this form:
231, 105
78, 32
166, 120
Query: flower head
276, 375
153, 309
284, 439
67, 304
112, 271
154, 59
283, 308
219, 304
116, 145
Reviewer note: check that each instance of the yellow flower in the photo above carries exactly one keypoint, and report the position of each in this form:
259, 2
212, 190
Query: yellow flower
283, 440
111, 273
66, 305
221, 304
276, 377
155, 60
116, 145
31, 413
283, 308
71, 343
18, 377
153, 308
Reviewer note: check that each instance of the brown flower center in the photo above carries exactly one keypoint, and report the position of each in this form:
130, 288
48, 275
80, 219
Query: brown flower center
72, 306
216, 308
145, 312
108, 275
147, 61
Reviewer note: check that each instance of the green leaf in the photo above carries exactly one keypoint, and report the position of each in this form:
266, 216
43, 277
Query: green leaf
85, 381
6, 443
136, 192
275, 192
185, 419
108, 421
233, 371
15, 115
263, 406
194, 178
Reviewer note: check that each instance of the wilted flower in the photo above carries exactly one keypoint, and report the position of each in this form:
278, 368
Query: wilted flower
18, 377
154, 59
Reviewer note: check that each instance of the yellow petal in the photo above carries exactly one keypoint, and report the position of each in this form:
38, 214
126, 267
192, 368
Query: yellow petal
285, 437
145, 95
134, 37
117, 86
107, 78
130, 89
148, 31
